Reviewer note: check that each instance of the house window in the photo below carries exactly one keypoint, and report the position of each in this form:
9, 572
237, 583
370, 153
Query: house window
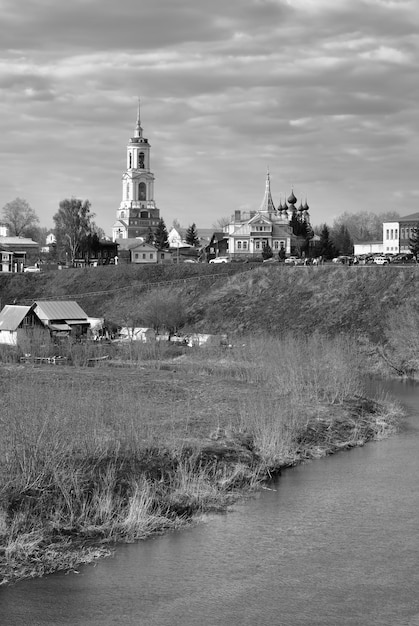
244, 245
276, 244
136, 255
151, 255
257, 245
239, 245
144, 256
387, 234
396, 233
391, 234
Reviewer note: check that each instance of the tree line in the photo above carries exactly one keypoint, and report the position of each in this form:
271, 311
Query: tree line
77, 234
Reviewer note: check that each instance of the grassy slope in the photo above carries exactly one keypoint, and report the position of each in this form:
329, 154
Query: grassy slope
260, 414
271, 299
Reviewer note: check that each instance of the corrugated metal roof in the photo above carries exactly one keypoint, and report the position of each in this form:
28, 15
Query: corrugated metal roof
12, 315
59, 327
17, 241
59, 310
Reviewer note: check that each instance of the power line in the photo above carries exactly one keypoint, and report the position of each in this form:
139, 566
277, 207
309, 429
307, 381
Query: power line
139, 286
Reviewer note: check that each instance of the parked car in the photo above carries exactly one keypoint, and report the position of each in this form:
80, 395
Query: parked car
292, 260
405, 257
271, 260
344, 259
220, 259
381, 260
32, 268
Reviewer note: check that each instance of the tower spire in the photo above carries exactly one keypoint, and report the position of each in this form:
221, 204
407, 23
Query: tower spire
267, 202
138, 129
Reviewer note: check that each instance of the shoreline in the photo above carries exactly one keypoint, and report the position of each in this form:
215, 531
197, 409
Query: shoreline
170, 488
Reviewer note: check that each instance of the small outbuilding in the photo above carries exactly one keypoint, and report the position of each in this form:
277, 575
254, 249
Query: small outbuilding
62, 318
17, 322
145, 335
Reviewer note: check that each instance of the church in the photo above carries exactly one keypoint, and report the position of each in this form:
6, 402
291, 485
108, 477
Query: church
281, 228
137, 214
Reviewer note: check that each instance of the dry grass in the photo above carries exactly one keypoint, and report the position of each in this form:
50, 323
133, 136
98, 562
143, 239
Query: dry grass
114, 454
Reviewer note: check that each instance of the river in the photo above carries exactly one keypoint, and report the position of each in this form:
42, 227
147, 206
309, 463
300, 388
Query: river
332, 542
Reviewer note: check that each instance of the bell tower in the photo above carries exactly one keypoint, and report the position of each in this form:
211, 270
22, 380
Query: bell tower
137, 212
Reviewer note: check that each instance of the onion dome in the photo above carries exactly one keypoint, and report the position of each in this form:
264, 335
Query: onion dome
292, 199
306, 207
301, 208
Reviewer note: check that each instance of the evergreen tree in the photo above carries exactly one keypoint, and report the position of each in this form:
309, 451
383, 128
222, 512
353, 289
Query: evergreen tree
191, 236
161, 235
342, 240
150, 236
414, 242
282, 254
299, 226
267, 251
326, 247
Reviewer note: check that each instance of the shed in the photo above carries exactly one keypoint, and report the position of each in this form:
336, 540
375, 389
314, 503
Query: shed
144, 335
62, 317
16, 321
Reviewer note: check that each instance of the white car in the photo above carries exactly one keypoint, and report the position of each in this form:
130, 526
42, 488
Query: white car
292, 260
220, 259
381, 260
32, 268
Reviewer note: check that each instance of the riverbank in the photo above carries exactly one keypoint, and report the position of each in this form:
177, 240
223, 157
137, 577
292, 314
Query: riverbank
161, 442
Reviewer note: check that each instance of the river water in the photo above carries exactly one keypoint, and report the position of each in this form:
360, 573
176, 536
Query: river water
333, 542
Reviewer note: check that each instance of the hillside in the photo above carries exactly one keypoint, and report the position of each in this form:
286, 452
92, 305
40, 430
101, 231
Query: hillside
236, 298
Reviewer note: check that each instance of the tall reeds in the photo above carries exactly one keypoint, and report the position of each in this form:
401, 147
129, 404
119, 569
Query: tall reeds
91, 455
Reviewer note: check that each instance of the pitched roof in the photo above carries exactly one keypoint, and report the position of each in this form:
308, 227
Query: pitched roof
144, 246
413, 217
219, 235
12, 315
18, 241
59, 310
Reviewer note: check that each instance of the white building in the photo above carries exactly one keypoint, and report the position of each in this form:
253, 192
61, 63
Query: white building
391, 237
396, 235
269, 226
137, 212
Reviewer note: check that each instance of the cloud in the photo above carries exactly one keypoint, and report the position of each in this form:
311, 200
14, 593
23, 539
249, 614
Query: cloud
326, 92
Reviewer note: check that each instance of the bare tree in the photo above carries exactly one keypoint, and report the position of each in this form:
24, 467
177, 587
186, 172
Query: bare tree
364, 225
221, 222
19, 216
73, 223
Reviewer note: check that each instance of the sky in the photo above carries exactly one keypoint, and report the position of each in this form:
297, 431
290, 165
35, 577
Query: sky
324, 93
